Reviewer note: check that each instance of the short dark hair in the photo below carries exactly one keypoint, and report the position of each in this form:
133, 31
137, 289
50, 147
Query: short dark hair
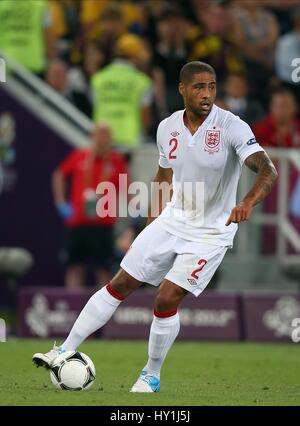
194, 67
239, 74
168, 12
281, 90
112, 12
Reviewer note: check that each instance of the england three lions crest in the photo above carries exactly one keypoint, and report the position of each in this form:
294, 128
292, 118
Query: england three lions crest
212, 141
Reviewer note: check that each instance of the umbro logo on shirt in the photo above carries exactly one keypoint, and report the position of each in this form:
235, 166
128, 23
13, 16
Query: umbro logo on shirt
174, 134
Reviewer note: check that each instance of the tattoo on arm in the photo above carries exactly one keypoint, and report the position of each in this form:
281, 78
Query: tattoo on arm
261, 164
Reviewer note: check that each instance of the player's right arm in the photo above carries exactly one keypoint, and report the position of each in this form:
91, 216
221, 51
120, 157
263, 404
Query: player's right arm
161, 192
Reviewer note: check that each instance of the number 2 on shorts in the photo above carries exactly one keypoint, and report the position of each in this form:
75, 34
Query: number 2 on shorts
201, 263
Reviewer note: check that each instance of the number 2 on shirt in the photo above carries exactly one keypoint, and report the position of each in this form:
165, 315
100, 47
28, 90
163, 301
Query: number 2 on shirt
173, 143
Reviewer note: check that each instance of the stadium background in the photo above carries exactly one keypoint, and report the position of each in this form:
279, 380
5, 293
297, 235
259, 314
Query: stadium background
47, 108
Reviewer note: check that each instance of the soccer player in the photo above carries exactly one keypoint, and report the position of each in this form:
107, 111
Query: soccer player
180, 250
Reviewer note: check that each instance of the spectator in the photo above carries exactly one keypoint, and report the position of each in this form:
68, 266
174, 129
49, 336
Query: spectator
123, 95
237, 101
283, 11
79, 77
106, 29
90, 12
24, 33
57, 78
151, 10
170, 53
209, 40
88, 237
287, 49
132, 13
93, 10
255, 32
64, 24
280, 129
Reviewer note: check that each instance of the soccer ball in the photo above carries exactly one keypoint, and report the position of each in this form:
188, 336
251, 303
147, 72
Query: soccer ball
73, 371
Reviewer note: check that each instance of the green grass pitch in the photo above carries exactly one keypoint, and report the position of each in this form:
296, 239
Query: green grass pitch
193, 374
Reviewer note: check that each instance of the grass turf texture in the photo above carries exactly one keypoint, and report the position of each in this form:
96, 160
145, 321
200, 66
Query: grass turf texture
194, 374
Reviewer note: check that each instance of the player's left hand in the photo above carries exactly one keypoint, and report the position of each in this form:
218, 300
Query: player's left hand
240, 213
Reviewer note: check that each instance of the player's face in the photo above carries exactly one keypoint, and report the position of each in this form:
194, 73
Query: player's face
200, 93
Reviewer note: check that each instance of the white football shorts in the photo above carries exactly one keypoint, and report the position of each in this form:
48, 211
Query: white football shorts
156, 254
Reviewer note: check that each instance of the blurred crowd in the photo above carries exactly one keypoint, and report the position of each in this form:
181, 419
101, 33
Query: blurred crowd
118, 62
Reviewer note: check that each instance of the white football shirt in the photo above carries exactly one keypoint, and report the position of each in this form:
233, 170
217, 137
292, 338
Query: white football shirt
206, 170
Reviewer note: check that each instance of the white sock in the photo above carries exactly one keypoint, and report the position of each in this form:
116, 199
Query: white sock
94, 315
163, 332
